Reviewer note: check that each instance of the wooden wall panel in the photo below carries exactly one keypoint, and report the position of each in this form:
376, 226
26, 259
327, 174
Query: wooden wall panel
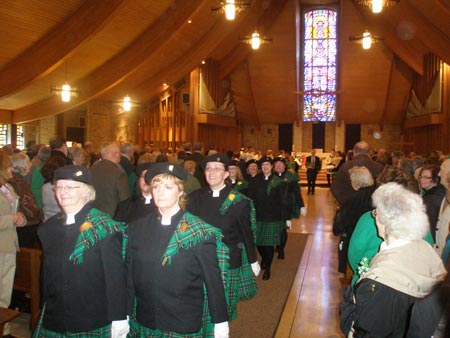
220, 138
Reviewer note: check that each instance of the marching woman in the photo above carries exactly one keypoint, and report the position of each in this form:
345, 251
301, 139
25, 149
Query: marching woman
83, 272
233, 213
296, 205
176, 265
236, 178
270, 195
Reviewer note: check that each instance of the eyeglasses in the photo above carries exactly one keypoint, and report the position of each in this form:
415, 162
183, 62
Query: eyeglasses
215, 169
425, 177
65, 188
374, 213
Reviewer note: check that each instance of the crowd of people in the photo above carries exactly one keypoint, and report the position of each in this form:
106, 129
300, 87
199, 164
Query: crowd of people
144, 244
165, 243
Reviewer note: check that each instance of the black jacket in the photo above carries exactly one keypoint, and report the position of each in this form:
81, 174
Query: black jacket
235, 224
170, 297
86, 296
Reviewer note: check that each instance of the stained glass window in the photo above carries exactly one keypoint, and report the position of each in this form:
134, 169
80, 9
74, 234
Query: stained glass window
319, 94
20, 138
3, 135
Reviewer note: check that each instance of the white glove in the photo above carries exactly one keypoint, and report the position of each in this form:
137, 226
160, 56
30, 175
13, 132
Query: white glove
120, 328
303, 211
221, 330
256, 268
289, 224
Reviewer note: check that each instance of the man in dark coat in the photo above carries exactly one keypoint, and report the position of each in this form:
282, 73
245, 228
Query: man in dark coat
313, 166
110, 182
341, 188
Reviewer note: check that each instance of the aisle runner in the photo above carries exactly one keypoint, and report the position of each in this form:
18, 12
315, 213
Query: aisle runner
259, 317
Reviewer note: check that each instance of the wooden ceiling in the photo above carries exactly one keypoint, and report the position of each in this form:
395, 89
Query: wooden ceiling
111, 48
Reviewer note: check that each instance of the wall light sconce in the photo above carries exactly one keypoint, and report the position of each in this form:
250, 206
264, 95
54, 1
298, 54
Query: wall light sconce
127, 103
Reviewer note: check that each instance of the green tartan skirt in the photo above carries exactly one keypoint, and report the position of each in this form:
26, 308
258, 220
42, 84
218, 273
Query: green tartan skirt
42, 332
139, 331
268, 233
242, 284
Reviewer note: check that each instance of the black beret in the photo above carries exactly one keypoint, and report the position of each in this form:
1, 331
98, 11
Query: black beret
250, 162
265, 159
279, 159
73, 173
165, 168
216, 158
234, 163
143, 166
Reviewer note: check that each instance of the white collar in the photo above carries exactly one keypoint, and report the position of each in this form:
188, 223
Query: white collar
216, 193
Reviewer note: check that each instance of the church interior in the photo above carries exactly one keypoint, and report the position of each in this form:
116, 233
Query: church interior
162, 73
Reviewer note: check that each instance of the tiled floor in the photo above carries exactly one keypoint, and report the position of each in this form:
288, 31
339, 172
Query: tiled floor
312, 306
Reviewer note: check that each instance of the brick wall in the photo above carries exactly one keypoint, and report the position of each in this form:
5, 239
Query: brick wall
263, 138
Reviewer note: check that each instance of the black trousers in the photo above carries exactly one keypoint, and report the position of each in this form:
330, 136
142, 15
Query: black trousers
283, 241
311, 176
266, 253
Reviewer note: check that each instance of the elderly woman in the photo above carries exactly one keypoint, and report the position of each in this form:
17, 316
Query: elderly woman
27, 202
10, 218
83, 272
175, 264
79, 156
354, 206
404, 271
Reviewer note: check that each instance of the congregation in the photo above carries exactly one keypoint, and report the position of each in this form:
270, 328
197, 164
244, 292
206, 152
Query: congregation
166, 242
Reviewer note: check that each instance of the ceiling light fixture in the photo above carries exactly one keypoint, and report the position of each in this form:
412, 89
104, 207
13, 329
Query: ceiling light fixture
366, 39
65, 91
231, 7
377, 5
127, 103
255, 40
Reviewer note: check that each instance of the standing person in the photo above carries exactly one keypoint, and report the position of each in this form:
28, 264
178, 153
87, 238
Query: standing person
141, 203
313, 166
405, 270
58, 147
331, 163
175, 264
236, 178
442, 227
225, 208
432, 193
269, 193
296, 205
252, 169
83, 269
50, 205
27, 202
110, 182
10, 218
341, 187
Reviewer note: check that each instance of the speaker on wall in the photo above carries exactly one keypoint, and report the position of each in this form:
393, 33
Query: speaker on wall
186, 98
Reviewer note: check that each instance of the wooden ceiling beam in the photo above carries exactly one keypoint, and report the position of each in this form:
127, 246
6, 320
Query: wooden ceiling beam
120, 66
55, 46
399, 47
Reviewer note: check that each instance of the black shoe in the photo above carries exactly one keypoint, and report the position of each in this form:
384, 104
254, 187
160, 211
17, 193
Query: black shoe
266, 275
281, 255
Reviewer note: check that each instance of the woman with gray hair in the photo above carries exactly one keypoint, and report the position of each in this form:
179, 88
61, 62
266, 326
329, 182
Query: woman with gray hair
406, 269
83, 270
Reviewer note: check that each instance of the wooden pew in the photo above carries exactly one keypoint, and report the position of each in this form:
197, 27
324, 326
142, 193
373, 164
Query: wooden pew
6, 315
28, 267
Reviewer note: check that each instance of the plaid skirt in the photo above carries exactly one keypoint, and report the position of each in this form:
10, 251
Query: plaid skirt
42, 332
139, 331
242, 283
268, 233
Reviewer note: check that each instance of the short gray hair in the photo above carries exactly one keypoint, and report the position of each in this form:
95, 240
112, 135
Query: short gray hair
360, 177
401, 211
89, 190
19, 162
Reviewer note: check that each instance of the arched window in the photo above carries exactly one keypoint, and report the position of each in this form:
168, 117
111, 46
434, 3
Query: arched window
319, 68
